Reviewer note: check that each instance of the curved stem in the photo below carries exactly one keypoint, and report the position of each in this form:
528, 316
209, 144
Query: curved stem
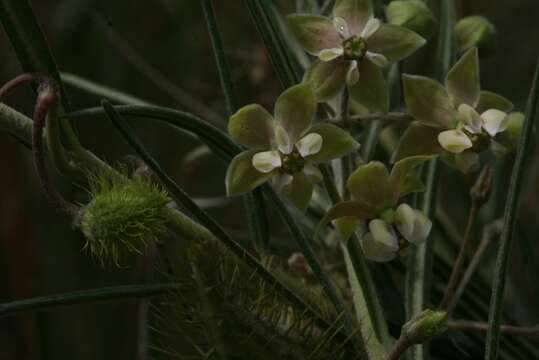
84, 296
530, 332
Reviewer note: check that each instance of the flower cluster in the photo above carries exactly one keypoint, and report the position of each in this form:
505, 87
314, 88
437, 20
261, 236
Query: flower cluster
376, 193
455, 121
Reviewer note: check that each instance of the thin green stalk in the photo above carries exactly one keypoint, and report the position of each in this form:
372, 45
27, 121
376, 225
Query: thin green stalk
307, 250
253, 202
510, 216
220, 58
84, 296
101, 91
368, 309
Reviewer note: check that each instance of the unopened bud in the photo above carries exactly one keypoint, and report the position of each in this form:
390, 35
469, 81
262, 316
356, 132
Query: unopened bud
412, 14
425, 326
511, 135
480, 191
299, 266
476, 31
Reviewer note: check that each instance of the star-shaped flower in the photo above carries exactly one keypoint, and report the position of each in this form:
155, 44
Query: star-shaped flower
284, 148
458, 121
352, 47
376, 193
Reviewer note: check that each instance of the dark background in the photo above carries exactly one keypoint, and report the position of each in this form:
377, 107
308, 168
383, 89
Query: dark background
159, 51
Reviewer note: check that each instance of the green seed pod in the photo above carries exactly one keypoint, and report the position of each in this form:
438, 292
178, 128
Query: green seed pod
123, 217
414, 15
511, 135
476, 31
425, 326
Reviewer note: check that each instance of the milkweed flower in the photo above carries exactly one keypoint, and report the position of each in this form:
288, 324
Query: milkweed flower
389, 226
458, 120
352, 48
284, 148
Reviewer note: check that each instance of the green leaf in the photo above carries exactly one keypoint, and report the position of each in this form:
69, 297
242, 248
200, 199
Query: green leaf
252, 126
371, 89
241, 176
404, 178
355, 12
369, 185
428, 102
314, 32
418, 139
394, 42
510, 222
489, 100
299, 192
462, 82
295, 109
335, 143
327, 78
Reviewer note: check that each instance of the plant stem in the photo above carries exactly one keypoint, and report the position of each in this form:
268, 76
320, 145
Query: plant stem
399, 348
359, 119
489, 233
510, 216
460, 263
531, 332
84, 296
220, 58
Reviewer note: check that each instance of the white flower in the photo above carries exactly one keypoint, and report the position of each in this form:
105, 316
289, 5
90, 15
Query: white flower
412, 224
289, 157
458, 140
380, 243
354, 47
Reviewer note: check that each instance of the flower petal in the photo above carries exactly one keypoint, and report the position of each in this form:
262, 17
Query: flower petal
330, 54
422, 227
267, 161
370, 28
418, 139
494, 121
327, 78
294, 110
375, 251
405, 178
241, 176
384, 234
369, 184
371, 90
299, 192
454, 141
309, 144
462, 80
342, 27
428, 102
252, 126
283, 140
467, 161
378, 59
355, 12
279, 181
314, 32
352, 76
471, 119
405, 218
490, 100
394, 42
336, 143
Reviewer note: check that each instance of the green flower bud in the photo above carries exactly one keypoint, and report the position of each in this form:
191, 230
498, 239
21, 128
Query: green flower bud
476, 31
123, 217
425, 326
414, 15
511, 135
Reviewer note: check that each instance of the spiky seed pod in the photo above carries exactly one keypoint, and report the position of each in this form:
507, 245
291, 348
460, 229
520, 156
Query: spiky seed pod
476, 31
123, 217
